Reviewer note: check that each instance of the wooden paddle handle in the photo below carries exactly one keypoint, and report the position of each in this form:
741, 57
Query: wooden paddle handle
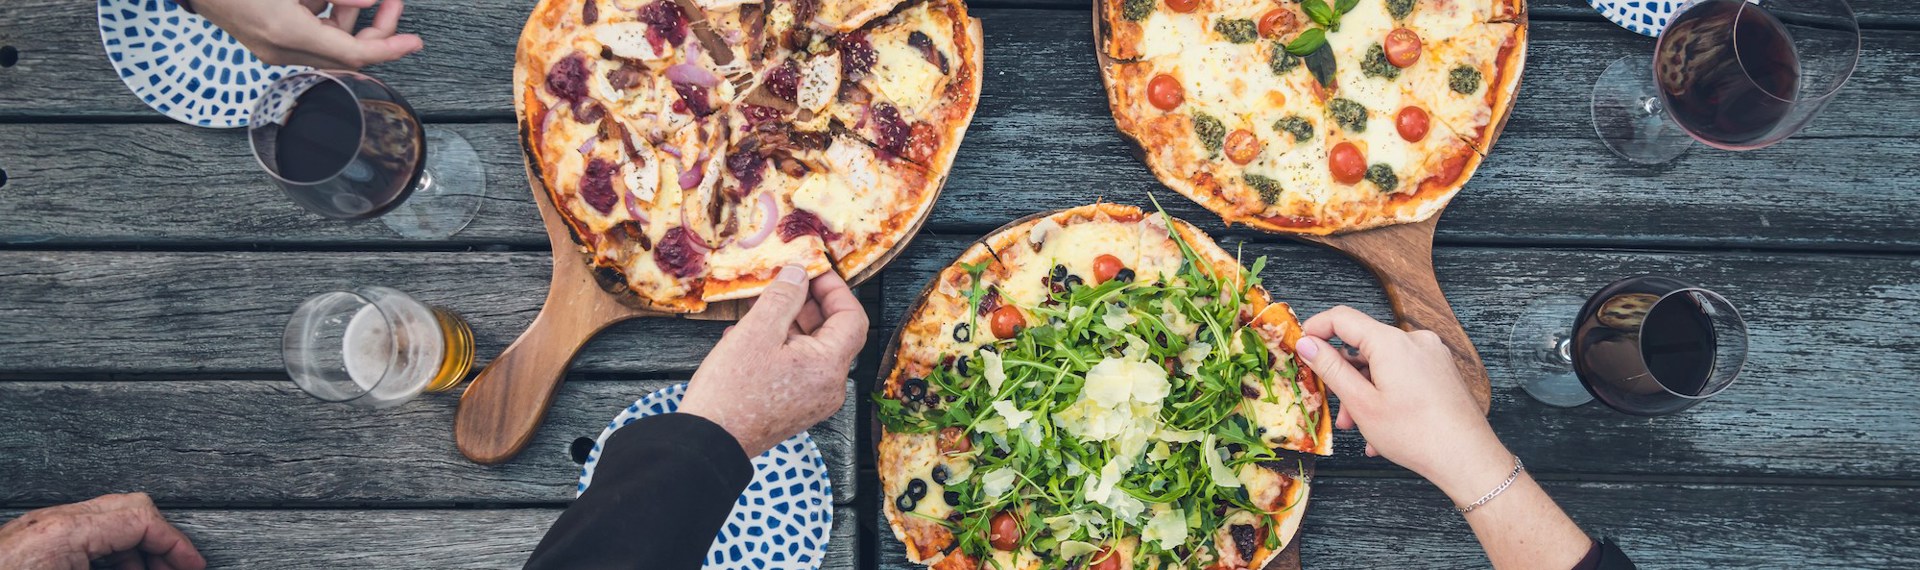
1418, 303
505, 404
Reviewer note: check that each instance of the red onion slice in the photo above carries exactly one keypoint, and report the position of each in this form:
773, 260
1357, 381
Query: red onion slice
670, 149
587, 147
691, 178
692, 74
769, 215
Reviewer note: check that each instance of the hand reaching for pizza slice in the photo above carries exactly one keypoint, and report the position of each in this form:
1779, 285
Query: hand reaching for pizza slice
784, 367
289, 32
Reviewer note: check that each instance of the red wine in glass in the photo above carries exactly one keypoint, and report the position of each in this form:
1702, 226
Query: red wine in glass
1728, 73
1643, 345
1733, 74
345, 146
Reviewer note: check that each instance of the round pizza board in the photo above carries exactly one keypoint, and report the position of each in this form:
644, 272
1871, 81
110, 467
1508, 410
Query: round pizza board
1400, 255
1287, 559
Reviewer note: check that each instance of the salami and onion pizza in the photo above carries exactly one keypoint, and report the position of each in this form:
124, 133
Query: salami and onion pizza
1098, 388
1313, 116
694, 147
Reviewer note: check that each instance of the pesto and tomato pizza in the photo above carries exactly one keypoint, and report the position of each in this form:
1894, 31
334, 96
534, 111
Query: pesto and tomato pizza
1313, 116
696, 146
1098, 388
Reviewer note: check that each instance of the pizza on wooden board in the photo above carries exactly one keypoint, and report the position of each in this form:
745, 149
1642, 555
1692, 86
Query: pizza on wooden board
1097, 388
1313, 116
696, 146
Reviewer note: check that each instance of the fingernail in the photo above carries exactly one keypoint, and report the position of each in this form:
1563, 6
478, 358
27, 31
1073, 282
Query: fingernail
792, 274
1307, 347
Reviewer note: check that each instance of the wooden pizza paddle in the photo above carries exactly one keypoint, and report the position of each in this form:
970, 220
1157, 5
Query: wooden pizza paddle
507, 401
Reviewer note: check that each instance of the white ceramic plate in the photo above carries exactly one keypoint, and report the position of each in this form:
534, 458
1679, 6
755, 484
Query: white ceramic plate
182, 65
782, 520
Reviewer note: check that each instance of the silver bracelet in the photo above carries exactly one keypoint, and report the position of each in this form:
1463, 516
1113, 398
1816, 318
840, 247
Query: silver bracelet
1511, 477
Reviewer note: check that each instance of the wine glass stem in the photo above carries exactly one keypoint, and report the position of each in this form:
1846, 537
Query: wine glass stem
1652, 107
1563, 348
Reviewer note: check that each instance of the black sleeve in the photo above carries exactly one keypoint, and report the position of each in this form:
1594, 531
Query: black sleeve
663, 487
1604, 555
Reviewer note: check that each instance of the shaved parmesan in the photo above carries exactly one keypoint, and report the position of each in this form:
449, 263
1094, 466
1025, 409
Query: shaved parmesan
1072, 548
1118, 318
1014, 415
1109, 382
997, 482
996, 374
1217, 467
1191, 358
1167, 527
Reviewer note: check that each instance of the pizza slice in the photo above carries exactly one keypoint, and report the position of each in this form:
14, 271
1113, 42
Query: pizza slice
911, 81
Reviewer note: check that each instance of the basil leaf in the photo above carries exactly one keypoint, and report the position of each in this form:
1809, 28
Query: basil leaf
1307, 42
1344, 6
1320, 63
1318, 11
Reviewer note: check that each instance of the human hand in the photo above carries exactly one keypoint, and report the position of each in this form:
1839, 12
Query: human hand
288, 32
784, 367
122, 531
1405, 395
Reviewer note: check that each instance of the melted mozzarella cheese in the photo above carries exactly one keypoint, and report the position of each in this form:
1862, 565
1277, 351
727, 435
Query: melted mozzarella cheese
629, 40
904, 77
819, 81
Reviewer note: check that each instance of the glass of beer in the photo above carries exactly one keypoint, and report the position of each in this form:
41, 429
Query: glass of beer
375, 347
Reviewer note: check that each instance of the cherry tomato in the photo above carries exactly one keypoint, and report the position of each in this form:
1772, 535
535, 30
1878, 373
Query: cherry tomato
1183, 6
1007, 319
953, 440
1164, 92
1346, 162
1403, 47
1412, 123
1105, 559
1003, 531
1277, 22
1105, 267
1242, 146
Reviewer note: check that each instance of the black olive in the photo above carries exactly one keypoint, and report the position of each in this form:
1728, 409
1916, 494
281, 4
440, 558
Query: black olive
1260, 431
913, 389
951, 497
1124, 276
955, 516
1073, 281
940, 474
960, 365
993, 348
962, 332
1059, 273
904, 502
917, 489
1234, 448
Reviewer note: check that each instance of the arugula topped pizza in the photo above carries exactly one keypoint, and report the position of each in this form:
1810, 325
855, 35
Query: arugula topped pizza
1313, 116
694, 147
1098, 388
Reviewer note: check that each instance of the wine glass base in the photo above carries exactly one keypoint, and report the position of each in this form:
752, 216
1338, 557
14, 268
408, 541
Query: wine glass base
449, 193
1630, 117
1538, 351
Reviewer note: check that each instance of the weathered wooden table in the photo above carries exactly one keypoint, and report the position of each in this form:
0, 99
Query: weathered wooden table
147, 268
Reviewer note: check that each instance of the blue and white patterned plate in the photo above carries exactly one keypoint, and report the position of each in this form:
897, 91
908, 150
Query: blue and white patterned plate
1644, 17
181, 64
782, 520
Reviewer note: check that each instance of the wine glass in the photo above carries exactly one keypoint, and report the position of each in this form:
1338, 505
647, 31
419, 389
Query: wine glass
374, 347
1734, 74
345, 146
1643, 345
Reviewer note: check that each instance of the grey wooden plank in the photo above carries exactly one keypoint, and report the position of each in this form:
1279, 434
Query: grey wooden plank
1841, 186
258, 442
404, 538
96, 312
1816, 398
1400, 523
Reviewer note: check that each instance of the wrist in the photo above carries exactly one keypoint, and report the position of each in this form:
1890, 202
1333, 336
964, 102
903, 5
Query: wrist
1475, 472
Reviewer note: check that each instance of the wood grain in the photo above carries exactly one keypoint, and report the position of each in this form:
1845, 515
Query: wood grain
1402, 523
1401, 258
1828, 332
1044, 133
426, 538
259, 442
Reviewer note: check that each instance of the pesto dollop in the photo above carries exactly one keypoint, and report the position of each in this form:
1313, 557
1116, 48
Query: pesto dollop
1239, 31
1348, 114
1269, 188
1464, 80
1211, 131
1375, 64
1137, 10
1295, 125
1382, 176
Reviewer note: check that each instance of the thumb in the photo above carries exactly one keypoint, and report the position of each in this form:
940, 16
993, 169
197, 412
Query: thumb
1334, 370
773, 313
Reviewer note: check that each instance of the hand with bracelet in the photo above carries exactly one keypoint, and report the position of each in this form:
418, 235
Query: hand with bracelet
1402, 391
